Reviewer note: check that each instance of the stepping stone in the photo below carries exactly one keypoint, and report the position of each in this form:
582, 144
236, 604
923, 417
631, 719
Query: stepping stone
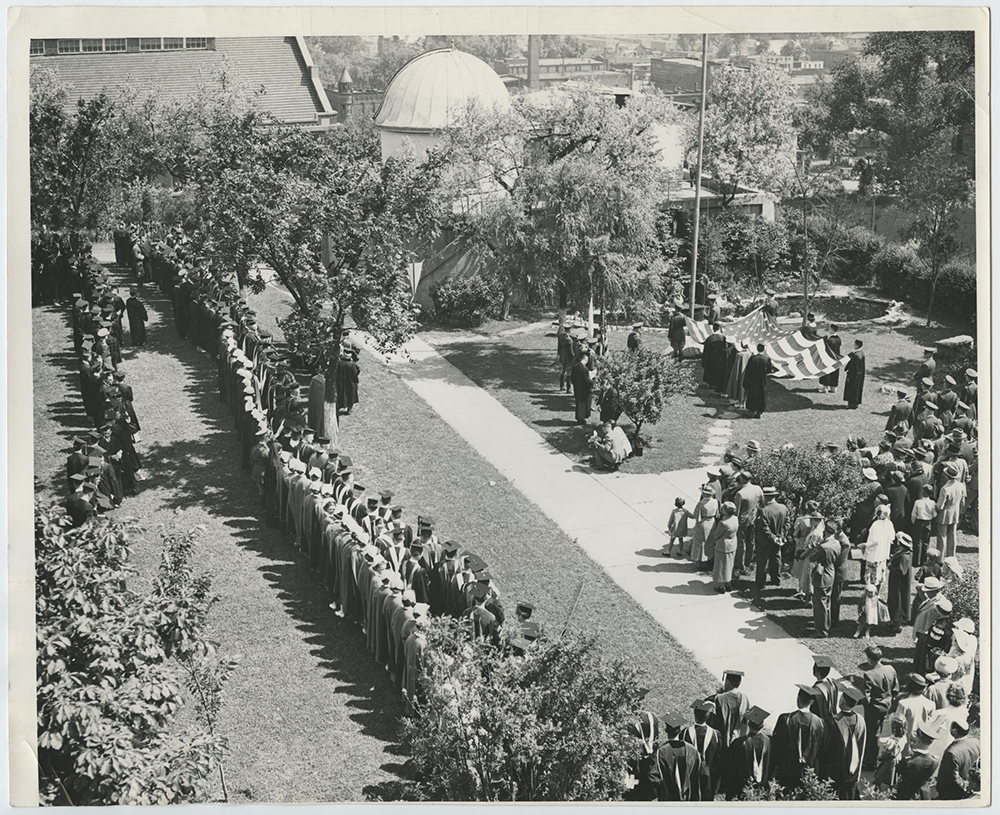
713, 448
724, 422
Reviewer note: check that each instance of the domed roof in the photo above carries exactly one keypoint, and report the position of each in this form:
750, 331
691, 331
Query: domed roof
433, 89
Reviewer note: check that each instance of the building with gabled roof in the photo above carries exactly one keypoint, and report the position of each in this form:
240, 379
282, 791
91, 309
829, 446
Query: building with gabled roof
277, 71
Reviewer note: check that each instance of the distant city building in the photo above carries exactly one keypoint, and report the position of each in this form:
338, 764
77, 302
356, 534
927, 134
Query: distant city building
277, 71
514, 71
351, 103
680, 78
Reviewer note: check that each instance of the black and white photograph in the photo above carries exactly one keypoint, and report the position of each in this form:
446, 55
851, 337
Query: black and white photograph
504, 412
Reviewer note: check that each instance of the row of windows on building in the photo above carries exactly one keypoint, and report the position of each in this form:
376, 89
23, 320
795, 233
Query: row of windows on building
120, 44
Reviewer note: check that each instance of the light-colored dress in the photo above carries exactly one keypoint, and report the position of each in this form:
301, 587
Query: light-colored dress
877, 547
808, 532
705, 512
723, 541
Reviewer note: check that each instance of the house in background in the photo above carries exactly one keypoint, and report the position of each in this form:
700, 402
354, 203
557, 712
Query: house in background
278, 72
349, 102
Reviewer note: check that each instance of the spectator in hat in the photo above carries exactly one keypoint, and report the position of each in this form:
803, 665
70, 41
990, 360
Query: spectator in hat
950, 509
854, 376
922, 516
878, 545
937, 691
634, 340
705, 513
799, 740
677, 332
770, 307
891, 748
722, 542
707, 741
749, 500
770, 537
676, 772
900, 569
864, 509
748, 761
564, 357
970, 392
899, 501
808, 533
137, 317
581, 378
348, 372
828, 382
714, 313
956, 710
931, 609
914, 706
917, 770
963, 651
959, 767
848, 737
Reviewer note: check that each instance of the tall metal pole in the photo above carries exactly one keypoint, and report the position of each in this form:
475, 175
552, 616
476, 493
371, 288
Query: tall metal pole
697, 178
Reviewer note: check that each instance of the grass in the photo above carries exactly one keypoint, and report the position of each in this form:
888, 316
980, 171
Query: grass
398, 441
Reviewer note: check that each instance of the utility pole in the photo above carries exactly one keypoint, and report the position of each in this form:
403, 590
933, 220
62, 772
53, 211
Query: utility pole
697, 179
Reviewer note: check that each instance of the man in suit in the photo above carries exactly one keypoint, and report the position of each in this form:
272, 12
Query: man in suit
677, 332
770, 537
749, 499
748, 759
634, 340
713, 314
137, 317
955, 780
581, 379
730, 705
883, 688
822, 560
854, 379
770, 307
675, 773
755, 381
916, 771
799, 739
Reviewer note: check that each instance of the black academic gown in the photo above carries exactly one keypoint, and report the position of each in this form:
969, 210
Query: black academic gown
713, 360
582, 385
845, 752
797, 743
676, 772
755, 381
833, 343
137, 318
347, 384
854, 380
747, 762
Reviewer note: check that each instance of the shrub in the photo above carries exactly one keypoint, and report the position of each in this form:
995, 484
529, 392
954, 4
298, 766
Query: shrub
112, 667
646, 381
896, 269
956, 290
800, 475
551, 725
465, 302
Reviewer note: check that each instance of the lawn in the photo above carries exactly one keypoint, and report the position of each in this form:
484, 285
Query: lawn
398, 441
518, 368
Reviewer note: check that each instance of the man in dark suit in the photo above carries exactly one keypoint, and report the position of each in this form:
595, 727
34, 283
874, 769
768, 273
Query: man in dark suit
927, 367
580, 377
899, 413
798, 741
958, 764
821, 561
915, 773
770, 534
755, 381
634, 340
770, 307
883, 688
677, 332
854, 380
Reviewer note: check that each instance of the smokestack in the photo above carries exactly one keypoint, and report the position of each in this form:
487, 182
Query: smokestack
534, 49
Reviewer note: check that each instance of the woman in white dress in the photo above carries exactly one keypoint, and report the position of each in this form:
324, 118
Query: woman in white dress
705, 513
876, 547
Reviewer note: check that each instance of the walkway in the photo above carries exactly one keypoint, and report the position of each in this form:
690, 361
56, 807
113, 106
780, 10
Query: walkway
617, 519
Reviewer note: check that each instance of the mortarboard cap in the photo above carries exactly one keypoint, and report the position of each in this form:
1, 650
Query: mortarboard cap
822, 661
480, 591
78, 477
703, 705
852, 693
732, 673
756, 716
386, 495
673, 720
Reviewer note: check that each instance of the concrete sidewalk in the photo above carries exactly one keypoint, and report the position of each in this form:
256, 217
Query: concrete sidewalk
618, 519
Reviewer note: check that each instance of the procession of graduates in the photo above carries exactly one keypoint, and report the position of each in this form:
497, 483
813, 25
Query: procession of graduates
104, 465
377, 570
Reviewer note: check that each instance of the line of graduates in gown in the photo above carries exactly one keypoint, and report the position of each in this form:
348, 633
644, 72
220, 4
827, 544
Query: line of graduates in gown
376, 569
834, 730
104, 465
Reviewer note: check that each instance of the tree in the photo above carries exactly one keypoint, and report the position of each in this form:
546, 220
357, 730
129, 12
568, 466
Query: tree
564, 194
748, 131
792, 48
111, 667
336, 225
548, 725
552, 46
937, 187
489, 48
646, 381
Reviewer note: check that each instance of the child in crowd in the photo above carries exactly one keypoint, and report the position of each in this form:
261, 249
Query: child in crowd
872, 610
922, 515
677, 529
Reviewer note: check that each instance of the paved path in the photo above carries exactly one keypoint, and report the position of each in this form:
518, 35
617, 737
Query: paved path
617, 519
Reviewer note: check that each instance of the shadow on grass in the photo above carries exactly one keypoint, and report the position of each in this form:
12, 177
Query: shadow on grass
206, 472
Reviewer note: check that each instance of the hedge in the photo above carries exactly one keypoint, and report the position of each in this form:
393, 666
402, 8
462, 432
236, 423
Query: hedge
465, 302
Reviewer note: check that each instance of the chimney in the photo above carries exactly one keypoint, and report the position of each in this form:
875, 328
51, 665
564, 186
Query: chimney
534, 49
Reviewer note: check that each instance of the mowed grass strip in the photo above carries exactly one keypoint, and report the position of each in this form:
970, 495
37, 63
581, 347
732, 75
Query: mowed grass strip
398, 442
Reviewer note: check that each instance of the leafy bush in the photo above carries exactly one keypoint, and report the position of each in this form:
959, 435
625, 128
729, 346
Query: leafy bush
646, 381
898, 272
844, 252
801, 475
551, 725
895, 269
465, 302
956, 290
811, 788
112, 668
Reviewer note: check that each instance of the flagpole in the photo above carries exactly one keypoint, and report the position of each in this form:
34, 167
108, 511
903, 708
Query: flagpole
697, 180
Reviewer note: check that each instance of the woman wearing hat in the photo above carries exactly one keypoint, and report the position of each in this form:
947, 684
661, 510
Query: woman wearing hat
878, 545
722, 540
951, 507
963, 650
807, 533
705, 513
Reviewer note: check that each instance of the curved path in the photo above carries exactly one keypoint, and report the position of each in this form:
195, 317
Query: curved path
618, 519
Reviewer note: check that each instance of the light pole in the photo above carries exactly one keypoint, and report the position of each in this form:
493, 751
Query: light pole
697, 180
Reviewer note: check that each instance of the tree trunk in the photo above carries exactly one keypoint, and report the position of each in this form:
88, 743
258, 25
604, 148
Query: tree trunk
508, 297
331, 417
637, 445
934, 280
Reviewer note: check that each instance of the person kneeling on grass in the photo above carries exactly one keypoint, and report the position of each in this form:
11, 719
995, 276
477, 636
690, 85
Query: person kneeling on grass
609, 452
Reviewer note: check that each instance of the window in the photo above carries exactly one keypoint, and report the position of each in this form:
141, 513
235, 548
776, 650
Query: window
196, 42
150, 44
115, 45
69, 47
173, 43
37, 47
92, 46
